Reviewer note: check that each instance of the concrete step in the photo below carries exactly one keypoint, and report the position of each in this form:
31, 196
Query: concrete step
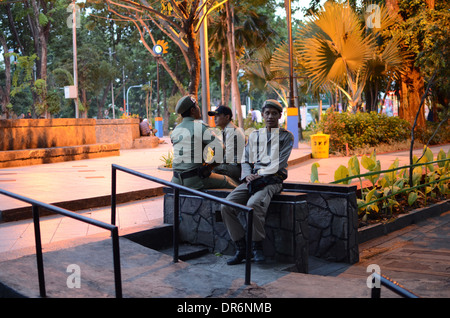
147, 273
146, 142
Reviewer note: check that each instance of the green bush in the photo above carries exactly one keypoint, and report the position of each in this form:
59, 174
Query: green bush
362, 129
442, 136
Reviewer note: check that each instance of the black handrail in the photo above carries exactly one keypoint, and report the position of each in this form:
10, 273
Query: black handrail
176, 192
391, 285
37, 236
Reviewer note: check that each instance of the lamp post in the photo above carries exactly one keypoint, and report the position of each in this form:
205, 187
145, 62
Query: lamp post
128, 90
75, 8
205, 70
75, 66
292, 111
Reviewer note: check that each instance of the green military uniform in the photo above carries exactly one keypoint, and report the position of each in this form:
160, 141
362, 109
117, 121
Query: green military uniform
190, 138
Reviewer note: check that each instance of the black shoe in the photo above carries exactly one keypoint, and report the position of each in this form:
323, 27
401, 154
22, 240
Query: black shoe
241, 252
258, 253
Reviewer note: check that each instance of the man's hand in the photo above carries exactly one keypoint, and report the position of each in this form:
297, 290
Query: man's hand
252, 177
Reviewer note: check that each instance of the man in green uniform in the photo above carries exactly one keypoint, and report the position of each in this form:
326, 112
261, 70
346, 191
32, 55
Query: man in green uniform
263, 170
233, 139
190, 140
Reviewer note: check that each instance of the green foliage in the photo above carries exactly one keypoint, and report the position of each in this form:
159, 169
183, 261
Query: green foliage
22, 76
390, 187
43, 20
315, 173
362, 129
168, 160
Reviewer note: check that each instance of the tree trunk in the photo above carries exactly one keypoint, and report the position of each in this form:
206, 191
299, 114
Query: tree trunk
101, 103
234, 81
412, 84
223, 101
41, 38
6, 90
412, 90
194, 57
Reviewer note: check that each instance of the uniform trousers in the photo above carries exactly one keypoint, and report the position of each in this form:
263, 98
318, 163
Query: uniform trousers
259, 201
231, 170
214, 181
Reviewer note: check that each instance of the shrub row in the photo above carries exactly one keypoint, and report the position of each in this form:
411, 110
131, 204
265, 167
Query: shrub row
362, 129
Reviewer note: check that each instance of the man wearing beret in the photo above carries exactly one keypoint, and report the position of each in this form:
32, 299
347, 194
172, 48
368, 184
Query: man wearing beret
264, 166
190, 140
233, 139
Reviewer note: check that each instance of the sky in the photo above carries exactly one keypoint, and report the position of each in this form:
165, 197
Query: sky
294, 5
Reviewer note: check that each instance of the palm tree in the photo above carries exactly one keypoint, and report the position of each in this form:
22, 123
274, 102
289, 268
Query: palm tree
259, 72
249, 29
335, 50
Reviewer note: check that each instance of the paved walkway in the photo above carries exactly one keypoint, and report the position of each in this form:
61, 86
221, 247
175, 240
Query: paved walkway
76, 180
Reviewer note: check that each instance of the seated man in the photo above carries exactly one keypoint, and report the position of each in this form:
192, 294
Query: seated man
144, 127
234, 141
263, 171
190, 138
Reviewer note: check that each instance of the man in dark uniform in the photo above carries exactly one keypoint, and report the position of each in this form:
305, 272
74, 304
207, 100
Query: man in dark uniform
263, 170
233, 139
190, 140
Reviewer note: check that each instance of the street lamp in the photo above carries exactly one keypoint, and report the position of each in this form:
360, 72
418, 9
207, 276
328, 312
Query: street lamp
75, 8
292, 111
128, 106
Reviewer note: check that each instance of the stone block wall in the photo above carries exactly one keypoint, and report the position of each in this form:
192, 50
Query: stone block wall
18, 134
333, 220
286, 227
122, 131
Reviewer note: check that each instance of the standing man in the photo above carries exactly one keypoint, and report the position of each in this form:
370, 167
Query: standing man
263, 171
190, 140
233, 139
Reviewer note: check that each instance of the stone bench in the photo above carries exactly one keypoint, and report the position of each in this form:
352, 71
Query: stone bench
333, 220
286, 225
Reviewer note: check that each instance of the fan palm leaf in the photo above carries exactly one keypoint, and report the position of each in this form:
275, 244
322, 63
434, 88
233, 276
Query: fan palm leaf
334, 45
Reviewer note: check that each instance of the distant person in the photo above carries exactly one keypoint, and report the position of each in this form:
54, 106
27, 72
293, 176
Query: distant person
253, 113
233, 139
144, 127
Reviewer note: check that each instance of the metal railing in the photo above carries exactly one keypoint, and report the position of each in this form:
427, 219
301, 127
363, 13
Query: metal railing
176, 216
374, 173
37, 235
389, 284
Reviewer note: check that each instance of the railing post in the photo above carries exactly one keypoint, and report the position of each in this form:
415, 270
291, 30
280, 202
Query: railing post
113, 195
375, 291
116, 260
248, 256
176, 220
39, 257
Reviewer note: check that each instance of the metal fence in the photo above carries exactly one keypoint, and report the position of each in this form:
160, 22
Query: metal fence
379, 280
406, 189
176, 217
37, 236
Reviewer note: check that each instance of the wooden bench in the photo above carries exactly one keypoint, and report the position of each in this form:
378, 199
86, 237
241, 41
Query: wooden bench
286, 225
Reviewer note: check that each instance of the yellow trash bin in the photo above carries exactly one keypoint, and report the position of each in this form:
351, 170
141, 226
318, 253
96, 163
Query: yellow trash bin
320, 145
